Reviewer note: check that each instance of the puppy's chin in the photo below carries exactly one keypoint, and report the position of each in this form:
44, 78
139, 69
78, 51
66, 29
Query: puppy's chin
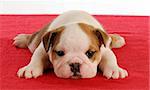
86, 71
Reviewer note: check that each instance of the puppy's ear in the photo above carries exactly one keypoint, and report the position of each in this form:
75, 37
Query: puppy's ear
102, 36
50, 38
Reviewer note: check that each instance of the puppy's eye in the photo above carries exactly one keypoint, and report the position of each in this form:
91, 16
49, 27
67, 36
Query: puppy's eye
60, 53
90, 53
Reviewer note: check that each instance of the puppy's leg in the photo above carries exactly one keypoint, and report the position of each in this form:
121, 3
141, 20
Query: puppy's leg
31, 41
21, 40
37, 64
117, 41
109, 65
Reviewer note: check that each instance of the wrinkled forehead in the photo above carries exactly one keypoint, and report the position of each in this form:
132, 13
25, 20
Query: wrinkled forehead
73, 38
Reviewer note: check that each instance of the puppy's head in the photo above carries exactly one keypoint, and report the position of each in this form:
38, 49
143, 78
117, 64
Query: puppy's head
74, 50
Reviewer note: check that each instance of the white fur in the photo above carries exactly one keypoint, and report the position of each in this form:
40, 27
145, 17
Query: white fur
75, 16
72, 38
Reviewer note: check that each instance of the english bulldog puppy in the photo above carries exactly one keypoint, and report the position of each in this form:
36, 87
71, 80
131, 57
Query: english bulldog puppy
75, 44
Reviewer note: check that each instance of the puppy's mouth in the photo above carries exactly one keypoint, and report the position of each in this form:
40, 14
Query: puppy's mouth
76, 76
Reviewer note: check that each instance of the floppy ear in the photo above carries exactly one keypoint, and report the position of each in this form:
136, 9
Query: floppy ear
100, 34
49, 38
103, 37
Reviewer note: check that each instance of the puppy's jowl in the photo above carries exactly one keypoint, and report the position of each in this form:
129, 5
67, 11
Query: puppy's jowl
76, 44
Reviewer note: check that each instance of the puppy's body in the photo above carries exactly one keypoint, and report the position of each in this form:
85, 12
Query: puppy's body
75, 17
74, 33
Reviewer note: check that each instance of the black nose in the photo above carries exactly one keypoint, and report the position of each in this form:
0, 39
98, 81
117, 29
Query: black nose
75, 67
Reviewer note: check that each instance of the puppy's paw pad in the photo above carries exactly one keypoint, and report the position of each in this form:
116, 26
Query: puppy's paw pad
29, 72
21, 40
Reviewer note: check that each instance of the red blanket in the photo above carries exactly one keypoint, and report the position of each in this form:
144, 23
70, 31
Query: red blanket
133, 56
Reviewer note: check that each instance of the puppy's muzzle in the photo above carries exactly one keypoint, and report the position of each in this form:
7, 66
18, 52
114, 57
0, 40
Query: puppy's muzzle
75, 68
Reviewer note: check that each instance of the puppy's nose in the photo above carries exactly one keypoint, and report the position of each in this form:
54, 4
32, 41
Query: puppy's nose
75, 67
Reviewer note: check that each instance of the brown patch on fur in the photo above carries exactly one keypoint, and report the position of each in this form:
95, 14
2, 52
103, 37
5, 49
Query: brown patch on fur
95, 44
56, 40
37, 36
96, 55
54, 56
51, 38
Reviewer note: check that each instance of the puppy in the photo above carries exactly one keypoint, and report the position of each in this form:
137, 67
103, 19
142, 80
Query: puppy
76, 44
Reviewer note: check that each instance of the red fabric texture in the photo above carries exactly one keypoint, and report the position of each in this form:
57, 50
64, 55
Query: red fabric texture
133, 56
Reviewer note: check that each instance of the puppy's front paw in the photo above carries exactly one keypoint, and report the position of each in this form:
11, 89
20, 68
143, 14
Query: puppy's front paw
30, 72
115, 72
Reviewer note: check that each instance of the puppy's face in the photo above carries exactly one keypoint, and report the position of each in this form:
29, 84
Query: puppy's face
74, 50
